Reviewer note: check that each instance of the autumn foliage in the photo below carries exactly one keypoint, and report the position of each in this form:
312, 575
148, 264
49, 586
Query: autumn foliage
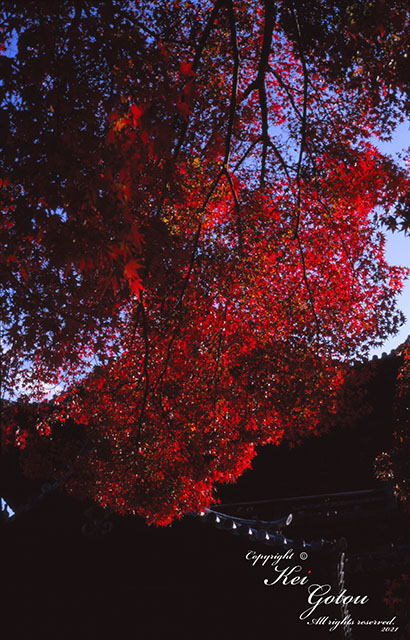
190, 202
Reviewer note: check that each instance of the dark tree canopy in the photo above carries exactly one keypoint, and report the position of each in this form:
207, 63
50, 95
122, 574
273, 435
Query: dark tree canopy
191, 203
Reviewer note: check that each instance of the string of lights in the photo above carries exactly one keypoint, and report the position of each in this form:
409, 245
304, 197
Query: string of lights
267, 532
270, 533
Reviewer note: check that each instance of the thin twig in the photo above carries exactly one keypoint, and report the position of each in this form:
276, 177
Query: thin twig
146, 373
245, 155
234, 90
136, 321
286, 87
197, 57
265, 135
224, 170
179, 304
307, 284
299, 168
237, 209
218, 354
303, 124
281, 159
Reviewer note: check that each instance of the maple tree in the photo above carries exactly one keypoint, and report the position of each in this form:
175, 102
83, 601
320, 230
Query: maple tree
190, 200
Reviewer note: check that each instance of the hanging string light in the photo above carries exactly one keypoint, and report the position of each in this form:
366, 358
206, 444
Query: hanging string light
267, 532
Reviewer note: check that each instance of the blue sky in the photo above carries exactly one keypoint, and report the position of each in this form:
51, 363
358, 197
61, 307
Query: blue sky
398, 245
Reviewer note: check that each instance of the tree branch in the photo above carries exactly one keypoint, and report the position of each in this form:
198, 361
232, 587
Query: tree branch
269, 24
259, 82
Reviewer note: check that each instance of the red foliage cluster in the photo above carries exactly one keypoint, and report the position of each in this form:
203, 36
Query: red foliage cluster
203, 233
